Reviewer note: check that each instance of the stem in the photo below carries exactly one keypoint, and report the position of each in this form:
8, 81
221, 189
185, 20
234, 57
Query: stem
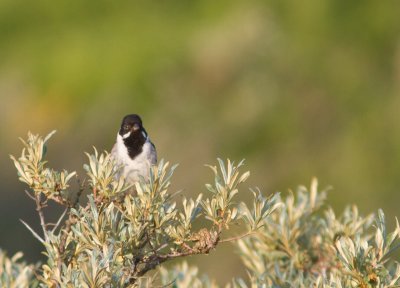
39, 206
68, 223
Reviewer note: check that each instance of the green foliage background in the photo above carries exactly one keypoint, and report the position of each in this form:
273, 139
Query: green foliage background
297, 88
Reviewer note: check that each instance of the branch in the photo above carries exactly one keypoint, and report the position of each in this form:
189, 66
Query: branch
39, 206
205, 242
58, 199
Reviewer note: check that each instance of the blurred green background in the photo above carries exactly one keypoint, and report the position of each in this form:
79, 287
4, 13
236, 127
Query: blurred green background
297, 88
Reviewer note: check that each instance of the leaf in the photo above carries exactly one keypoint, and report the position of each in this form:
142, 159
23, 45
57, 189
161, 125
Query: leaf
213, 168
223, 171
49, 136
244, 177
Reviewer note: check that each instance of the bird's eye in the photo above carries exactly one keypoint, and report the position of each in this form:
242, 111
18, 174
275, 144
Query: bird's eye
126, 127
136, 126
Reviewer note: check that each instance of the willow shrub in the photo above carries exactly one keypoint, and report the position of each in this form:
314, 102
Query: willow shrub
120, 238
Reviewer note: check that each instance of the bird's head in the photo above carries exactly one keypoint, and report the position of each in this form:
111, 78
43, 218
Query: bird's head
131, 126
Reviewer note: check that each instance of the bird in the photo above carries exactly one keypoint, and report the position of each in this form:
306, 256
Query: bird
133, 151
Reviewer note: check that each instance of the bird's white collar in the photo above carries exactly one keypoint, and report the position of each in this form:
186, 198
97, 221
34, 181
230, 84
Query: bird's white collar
126, 135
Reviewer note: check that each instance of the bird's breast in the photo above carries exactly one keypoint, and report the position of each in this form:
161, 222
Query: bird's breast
136, 167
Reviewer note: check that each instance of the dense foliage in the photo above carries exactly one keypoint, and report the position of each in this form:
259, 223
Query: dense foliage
118, 238
305, 244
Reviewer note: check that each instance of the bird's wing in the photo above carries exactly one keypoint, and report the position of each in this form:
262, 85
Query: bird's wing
153, 154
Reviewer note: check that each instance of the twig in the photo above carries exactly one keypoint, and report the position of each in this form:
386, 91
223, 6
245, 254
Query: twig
30, 195
59, 220
39, 206
235, 238
58, 199
187, 247
167, 285
162, 247
32, 231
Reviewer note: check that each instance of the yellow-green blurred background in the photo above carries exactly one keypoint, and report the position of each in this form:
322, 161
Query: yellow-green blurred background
297, 88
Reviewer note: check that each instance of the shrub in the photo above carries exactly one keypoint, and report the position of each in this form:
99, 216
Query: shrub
14, 273
118, 239
304, 244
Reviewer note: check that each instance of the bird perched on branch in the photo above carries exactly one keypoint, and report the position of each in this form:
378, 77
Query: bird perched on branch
133, 150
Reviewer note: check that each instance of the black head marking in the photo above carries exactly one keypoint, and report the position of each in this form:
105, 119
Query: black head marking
130, 123
133, 134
